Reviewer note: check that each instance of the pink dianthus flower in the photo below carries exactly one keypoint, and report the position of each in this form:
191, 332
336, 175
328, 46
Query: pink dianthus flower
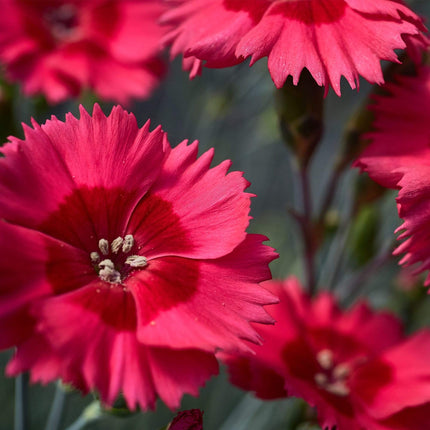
60, 47
125, 263
355, 367
330, 38
398, 156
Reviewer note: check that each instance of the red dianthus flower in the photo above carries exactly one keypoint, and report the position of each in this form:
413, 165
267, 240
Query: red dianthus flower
125, 263
330, 38
398, 156
60, 47
187, 420
355, 367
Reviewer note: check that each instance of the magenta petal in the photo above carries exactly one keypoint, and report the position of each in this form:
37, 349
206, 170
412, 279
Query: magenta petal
36, 267
206, 208
409, 384
206, 304
176, 372
106, 329
401, 138
371, 322
330, 38
95, 179
36, 355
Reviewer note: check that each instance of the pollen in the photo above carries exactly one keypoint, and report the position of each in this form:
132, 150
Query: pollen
128, 243
113, 266
332, 378
136, 261
104, 246
116, 244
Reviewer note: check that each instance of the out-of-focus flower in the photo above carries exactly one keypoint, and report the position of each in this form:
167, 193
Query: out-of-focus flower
398, 156
355, 367
187, 420
60, 47
330, 38
125, 263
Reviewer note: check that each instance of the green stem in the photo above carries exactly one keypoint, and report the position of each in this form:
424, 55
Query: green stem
306, 225
330, 193
21, 402
57, 408
91, 413
357, 283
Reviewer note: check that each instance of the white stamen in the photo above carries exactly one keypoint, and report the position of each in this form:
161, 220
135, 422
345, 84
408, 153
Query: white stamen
116, 244
341, 371
106, 263
136, 261
104, 246
321, 379
108, 273
325, 359
95, 257
338, 388
128, 243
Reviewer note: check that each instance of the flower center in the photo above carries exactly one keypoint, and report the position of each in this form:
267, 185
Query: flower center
332, 378
62, 21
114, 265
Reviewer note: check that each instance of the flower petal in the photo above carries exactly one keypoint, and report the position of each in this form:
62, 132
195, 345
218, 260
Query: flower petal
206, 208
184, 303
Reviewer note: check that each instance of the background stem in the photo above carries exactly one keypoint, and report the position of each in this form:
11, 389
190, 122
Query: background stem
21, 418
57, 407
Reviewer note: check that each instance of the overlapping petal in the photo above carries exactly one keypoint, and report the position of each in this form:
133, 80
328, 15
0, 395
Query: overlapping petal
401, 139
330, 38
398, 156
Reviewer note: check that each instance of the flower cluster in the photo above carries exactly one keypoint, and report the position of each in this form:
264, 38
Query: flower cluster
61, 47
355, 367
137, 264
329, 38
126, 266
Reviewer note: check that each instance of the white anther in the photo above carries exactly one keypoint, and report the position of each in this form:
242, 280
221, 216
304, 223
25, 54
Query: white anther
128, 243
104, 246
325, 359
338, 388
136, 261
116, 244
95, 257
108, 273
107, 263
321, 379
341, 371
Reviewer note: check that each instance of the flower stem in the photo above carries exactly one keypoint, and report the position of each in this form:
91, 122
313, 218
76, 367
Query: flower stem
91, 413
357, 283
308, 243
57, 407
21, 402
330, 192
304, 221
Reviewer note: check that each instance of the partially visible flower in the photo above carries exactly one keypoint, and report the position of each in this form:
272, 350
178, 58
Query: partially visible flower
398, 156
187, 420
60, 47
125, 263
401, 137
355, 367
329, 38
